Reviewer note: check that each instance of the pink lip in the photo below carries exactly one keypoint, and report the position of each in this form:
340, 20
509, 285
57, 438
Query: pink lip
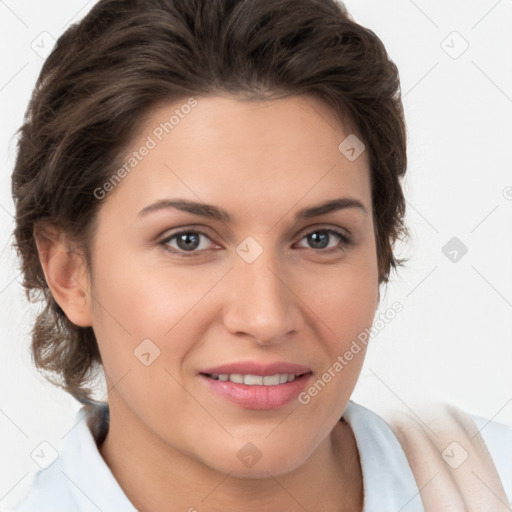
258, 397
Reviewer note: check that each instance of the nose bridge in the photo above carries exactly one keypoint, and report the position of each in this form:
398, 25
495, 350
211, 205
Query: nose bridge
261, 304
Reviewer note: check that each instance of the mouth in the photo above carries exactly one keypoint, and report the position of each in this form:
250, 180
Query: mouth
254, 380
257, 386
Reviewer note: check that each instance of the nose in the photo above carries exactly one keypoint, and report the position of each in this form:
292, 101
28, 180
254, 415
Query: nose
261, 305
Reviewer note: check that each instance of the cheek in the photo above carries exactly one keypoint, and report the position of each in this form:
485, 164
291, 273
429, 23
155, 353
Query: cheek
344, 301
345, 306
346, 309
136, 300
345, 298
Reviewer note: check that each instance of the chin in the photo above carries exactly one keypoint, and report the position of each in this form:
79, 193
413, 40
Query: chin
248, 460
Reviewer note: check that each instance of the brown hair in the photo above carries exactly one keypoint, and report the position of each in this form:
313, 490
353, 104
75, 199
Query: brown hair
125, 57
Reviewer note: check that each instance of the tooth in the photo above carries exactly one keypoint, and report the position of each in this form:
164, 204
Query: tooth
256, 380
271, 380
253, 380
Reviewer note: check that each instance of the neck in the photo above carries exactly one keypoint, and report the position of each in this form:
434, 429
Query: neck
153, 475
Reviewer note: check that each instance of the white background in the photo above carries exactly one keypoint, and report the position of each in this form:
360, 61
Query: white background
452, 341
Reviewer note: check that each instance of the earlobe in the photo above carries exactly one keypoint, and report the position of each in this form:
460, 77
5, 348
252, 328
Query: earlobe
65, 272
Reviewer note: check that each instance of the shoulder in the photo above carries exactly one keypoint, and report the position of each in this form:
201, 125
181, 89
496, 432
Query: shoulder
498, 439
456, 457
388, 480
78, 480
39, 490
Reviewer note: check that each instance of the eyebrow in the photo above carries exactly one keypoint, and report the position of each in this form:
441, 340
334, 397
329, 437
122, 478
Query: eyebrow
214, 212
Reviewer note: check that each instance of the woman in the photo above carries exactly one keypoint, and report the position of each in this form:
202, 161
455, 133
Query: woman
207, 197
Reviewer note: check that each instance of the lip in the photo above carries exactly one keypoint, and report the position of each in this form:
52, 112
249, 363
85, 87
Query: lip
258, 397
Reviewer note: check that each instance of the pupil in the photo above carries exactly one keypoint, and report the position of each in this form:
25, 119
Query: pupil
188, 241
319, 240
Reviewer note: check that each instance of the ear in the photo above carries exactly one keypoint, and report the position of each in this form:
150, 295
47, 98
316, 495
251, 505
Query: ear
65, 272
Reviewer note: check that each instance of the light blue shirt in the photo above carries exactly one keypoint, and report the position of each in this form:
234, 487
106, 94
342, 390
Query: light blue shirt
79, 480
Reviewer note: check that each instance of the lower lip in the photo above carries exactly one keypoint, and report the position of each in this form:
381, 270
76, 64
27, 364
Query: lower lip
259, 397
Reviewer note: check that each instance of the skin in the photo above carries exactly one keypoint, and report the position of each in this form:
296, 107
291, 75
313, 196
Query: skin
171, 439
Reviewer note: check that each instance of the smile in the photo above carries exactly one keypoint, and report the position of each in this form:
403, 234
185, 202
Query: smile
254, 380
257, 385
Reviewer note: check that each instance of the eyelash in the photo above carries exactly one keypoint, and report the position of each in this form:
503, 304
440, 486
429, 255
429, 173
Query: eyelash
345, 241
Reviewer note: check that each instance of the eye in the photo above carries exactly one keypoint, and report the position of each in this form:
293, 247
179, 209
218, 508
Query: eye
327, 240
191, 242
186, 242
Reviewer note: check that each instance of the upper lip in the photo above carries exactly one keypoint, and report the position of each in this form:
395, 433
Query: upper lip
257, 368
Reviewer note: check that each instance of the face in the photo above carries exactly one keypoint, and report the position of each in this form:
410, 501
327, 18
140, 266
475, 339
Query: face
214, 322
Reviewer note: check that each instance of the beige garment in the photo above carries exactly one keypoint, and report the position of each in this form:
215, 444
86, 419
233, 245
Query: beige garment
450, 461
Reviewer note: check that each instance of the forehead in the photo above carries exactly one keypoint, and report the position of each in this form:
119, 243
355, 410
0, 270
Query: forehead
243, 155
